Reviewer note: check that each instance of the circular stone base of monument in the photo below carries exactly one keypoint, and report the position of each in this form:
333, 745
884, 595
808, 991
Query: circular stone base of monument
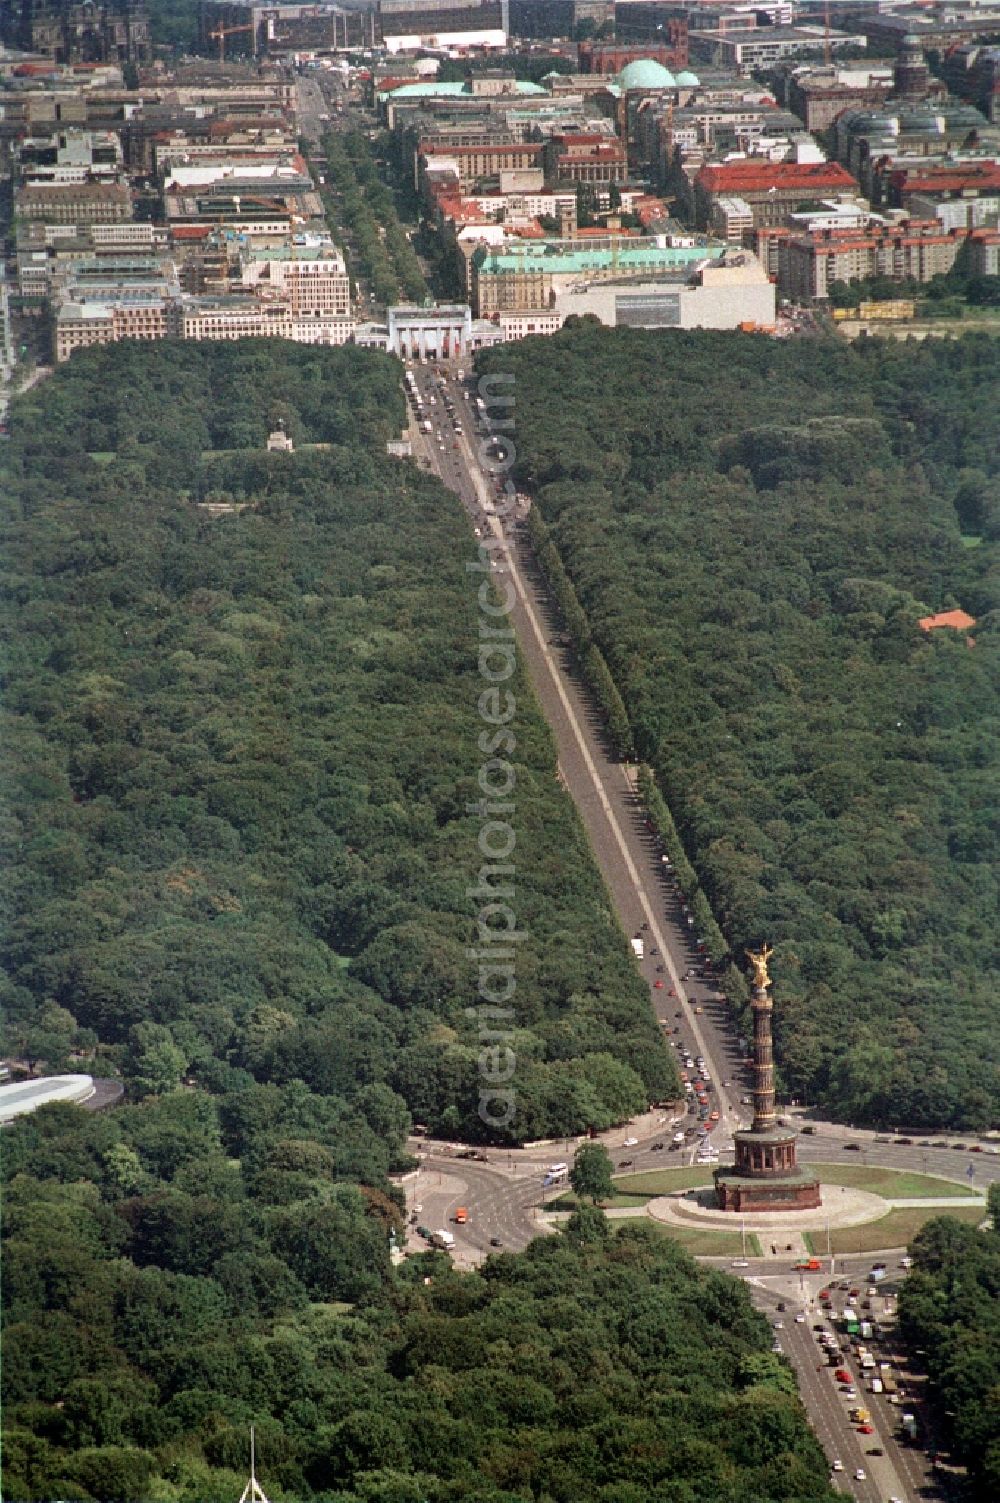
841, 1206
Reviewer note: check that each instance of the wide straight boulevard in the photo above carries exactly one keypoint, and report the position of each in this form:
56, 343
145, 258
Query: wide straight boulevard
503, 1191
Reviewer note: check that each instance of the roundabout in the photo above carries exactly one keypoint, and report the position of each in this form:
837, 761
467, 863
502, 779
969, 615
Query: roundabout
860, 1210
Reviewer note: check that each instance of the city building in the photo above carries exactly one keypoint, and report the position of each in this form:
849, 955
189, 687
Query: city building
585, 157
309, 276
726, 291
74, 203
557, 18
406, 26
609, 58
808, 263
762, 46
818, 95
765, 1176
874, 144
530, 276
471, 164
962, 186
771, 189
78, 30
21, 1097
731, 219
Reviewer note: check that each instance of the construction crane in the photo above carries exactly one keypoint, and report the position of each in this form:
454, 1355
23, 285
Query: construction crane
221, 32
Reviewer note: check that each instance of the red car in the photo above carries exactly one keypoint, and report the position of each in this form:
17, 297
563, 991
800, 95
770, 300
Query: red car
842, 1375
866, 1429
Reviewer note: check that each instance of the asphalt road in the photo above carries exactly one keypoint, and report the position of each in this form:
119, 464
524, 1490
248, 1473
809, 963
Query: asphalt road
501, 1205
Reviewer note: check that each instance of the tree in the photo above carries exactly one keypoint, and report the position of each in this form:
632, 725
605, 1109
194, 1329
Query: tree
588, 1224
155, 1063
590, 1175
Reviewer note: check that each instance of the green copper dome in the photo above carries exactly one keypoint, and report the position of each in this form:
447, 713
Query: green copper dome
644, 73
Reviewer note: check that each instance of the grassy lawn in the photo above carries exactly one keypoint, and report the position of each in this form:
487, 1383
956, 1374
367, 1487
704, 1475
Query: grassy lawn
102, 457
642, 1187
704, 1243
569, 1202
896, 1229
894, 1184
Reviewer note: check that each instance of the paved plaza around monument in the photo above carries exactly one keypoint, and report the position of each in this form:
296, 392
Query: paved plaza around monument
841, 1205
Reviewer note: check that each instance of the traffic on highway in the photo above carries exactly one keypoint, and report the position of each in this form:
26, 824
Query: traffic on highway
503, 1191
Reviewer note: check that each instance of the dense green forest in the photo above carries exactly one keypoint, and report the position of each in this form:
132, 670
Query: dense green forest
239, 753
178, 1270
242, 751
753, 530
949, 1311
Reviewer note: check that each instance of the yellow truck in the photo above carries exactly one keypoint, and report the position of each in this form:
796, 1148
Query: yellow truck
859, 1415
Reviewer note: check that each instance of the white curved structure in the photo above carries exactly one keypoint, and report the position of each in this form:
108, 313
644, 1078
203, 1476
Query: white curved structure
28, 1095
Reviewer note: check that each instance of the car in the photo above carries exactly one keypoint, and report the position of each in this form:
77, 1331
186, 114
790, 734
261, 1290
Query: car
866, 1429
657, 1147
852, 1147
861, 1475
958, 1147
824, 1294
904, 1142
625, 1163
838, 1465
842, 1375
781, 1306
848, 1390
779, 1325
853, 1293
495, 1242
698, 1010
800, 1320
976, 1148
740, 1263
875, 1451
820, 1327
630, 1142
713, 1116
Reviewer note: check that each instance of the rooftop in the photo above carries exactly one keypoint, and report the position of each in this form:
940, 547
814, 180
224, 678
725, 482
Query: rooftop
26, 1096
646, 73
545, 258
956, 620
434, 90
744, 177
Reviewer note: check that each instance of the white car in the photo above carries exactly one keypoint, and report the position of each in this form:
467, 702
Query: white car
838, 1465
630, 1142
779, 1325
861, 1475
800, 1320
740, 1263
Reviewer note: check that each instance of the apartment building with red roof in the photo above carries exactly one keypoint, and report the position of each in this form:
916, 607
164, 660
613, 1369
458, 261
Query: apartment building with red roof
771, 189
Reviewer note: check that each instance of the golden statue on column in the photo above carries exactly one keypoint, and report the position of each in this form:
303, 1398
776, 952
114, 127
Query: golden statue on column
758, 959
